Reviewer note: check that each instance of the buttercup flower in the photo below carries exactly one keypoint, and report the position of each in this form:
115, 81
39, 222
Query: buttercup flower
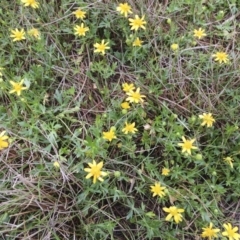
137, 23
125, 105
229, 161
165, 171
80, 30
129, 128
101, 47
3, 140
137, 42
79, 14
210, 232
128, 87
158, 190
221, 57
231, 232
199, 33
124, 9
17, 87
207, 119
34, 33
30, 3
18, 35
187, 145
135, 97
110, 135
174, 46
174, 212
95, 171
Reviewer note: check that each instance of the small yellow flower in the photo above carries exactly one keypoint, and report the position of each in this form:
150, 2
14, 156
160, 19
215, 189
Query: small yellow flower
165, 171
207, 119
137, 42
158, 190
137, 23
174, 212
17, 87
199, 33
34, 33
129, 128
79, 14
56, 164
221, 57
124, 9
95, 171
187, 145
174, 46
125, 105
18, 35
110, 135
3, 142
31, 3
229, 161
101, 47
80, 30
210, 232
135, 97
128, 87
231, 232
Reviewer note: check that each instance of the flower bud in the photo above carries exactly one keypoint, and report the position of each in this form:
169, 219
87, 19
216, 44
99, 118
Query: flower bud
214, 173
113, 129
198, 157
56, 164
117, 174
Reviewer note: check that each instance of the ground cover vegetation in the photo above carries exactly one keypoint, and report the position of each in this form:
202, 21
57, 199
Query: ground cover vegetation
119, 120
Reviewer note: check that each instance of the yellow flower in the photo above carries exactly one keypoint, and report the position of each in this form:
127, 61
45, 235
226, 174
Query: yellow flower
174, 46
124, 9
165, 171
125, 105
158, 190
129, 128
101, 47
34, 33
137, 23
135, 97
3, 142
17, 87
210, 232
128, 87
187, 145
18, 35
80, 30
56, 164
231, 232
137, 42
200, 33
221, 57
110, 135
207, 119
31, 3
95, 171
174, 212
229, 161
79, 14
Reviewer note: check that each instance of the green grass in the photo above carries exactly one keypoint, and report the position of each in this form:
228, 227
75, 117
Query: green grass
73, 95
